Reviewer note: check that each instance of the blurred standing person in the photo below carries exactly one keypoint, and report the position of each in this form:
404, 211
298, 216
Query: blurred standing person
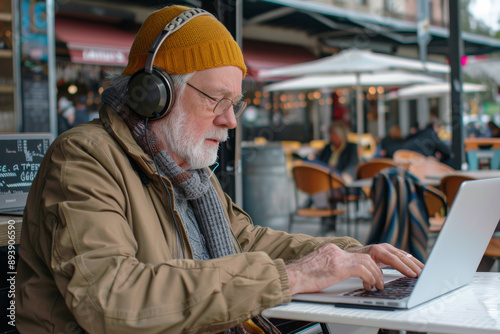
81, 110
66, 113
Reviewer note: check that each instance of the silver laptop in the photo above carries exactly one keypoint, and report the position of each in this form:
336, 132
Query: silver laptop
20, 157
452, 262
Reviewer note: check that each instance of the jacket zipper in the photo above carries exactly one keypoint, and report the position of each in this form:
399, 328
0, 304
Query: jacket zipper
178, 236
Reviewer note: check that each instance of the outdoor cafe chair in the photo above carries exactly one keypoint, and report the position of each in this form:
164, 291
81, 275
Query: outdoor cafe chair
368, 169
311, 179
450, 185
437, 207
493, 249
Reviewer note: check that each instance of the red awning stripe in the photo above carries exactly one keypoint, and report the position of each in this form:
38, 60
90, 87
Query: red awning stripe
261, 55
105, 44
95, 42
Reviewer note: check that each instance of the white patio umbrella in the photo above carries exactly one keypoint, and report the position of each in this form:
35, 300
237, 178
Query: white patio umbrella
354, 61
432, 90
385, 79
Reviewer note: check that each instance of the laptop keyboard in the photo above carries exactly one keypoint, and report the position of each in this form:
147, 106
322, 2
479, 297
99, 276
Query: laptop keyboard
396, 289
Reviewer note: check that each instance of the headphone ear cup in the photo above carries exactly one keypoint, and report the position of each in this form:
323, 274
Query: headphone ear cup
151, 95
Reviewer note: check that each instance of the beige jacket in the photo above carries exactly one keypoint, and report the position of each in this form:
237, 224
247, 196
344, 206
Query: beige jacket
99, 249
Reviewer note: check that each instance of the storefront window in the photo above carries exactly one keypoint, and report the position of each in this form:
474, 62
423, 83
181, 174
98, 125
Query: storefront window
79, 88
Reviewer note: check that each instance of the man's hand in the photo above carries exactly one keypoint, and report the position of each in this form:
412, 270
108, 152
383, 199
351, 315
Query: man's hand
388, 255
330, 264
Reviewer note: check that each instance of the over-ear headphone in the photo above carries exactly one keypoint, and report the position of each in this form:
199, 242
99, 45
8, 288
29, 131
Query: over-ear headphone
150, 91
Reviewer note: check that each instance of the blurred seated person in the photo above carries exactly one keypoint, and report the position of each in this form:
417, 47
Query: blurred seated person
472, 130
343, 158
339, 154
392, 142
428, 143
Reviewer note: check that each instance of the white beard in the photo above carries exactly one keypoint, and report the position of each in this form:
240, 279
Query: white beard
186, 144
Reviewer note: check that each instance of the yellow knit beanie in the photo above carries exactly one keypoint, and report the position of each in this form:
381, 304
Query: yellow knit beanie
200, 44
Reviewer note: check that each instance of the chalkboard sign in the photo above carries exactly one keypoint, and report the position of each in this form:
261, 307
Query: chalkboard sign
20, 158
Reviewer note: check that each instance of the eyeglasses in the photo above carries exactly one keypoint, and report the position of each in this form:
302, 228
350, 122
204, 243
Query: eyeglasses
224, 104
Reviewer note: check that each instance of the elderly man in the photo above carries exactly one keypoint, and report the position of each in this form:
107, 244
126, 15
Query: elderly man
127, 231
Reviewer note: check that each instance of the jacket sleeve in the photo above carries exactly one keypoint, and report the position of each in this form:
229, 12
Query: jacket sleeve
108, 290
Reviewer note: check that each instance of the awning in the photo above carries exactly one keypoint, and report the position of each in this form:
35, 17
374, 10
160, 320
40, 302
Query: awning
106, 44
335, 26
264, 55
95, 42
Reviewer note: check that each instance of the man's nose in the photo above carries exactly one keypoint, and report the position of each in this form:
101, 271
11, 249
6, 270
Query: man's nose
227, 119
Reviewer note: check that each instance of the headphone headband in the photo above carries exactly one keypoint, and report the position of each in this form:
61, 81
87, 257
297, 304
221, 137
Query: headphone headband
150, 91
169, 29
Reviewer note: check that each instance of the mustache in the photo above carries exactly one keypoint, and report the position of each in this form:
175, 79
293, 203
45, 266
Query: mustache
217, 134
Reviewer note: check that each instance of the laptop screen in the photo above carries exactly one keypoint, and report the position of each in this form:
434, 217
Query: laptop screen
20, 157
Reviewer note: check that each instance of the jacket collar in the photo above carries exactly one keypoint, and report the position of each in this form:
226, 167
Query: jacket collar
119, 130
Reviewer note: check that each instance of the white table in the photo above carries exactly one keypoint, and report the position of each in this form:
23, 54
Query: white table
476, 174
473, 309
367, 183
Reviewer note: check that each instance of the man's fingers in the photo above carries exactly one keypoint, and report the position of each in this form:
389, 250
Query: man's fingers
329, 265
368, 271
418, 263
369, 279
407, 264
412, 262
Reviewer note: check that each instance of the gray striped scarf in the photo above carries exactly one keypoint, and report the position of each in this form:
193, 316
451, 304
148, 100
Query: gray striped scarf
200, 193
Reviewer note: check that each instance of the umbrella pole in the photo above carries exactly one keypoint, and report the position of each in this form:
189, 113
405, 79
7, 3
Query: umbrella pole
381, 115
359, 108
